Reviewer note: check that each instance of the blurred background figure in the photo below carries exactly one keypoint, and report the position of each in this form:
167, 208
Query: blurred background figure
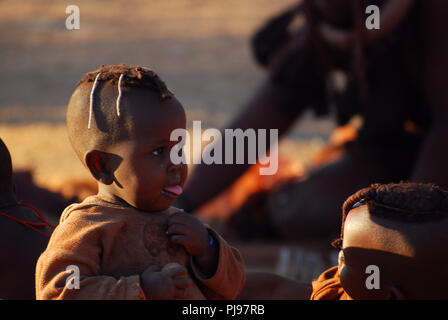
385, 87
23, 237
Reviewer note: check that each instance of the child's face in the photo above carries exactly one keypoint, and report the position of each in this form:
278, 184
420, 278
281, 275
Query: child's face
146, 178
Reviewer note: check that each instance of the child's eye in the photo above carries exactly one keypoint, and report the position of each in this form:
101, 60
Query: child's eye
158, 151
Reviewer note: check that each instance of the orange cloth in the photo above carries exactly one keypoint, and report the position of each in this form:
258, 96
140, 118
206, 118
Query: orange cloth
112, 245
328, 286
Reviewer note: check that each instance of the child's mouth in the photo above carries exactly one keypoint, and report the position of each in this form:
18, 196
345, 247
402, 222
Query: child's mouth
172, 191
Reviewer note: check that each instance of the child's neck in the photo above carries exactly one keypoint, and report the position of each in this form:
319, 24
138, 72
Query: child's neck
105, 194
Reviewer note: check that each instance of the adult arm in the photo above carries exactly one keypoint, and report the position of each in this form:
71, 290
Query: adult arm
431, 163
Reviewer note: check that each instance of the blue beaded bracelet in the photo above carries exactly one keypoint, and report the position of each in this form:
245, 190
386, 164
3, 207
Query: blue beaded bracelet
211, 242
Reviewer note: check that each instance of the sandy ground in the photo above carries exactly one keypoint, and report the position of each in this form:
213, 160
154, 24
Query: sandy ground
199, 47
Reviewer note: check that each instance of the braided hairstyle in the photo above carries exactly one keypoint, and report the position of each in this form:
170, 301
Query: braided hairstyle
406, 202
134, 76
94, 115
123, 75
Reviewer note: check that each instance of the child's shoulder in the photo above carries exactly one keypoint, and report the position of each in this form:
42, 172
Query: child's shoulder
89, 220
96, 210
93, 209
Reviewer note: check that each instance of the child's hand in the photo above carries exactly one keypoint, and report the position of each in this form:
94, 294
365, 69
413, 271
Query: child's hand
188, 231
169, 283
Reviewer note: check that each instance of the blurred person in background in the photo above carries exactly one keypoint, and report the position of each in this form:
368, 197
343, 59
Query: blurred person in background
394, 79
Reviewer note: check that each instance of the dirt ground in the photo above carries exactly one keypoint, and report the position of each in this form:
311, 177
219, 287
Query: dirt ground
200, 48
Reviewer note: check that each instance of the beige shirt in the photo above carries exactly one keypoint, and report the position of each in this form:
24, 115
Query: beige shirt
112, 245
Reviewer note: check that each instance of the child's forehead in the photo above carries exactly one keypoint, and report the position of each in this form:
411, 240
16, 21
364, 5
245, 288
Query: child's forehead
418, 240
362, 230
155, 128
142, 95
155, 138
145, 102
158, 120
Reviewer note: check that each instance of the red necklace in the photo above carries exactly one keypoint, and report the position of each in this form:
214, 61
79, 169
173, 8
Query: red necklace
30, 224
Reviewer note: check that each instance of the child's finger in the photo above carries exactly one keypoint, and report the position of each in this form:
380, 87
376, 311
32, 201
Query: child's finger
179, 239
176, 229
181, 218
171, 211
183, 283
176, 272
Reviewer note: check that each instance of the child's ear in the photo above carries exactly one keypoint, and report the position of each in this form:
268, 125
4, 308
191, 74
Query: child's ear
99, 165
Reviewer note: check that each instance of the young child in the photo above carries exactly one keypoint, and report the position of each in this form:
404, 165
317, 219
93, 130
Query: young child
126, 241
24, 234
396, 233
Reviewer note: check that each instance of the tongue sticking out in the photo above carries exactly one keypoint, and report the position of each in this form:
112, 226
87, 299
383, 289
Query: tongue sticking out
177, 190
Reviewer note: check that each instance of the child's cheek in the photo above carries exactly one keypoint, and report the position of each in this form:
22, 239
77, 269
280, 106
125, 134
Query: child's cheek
346, 276
184, 173
347, 282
